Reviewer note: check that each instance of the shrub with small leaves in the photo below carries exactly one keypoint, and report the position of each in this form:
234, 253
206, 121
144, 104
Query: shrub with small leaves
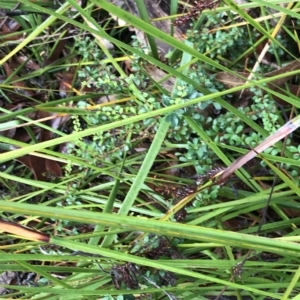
206, 195
228, 43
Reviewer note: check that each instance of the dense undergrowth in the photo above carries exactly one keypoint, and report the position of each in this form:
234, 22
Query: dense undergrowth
112, 146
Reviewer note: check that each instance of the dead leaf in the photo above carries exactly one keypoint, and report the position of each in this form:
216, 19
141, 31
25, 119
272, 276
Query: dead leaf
6, 278
53, 168
231, 81
157, 74
10, 26
30, 64
36, 165
65, 83
42, 168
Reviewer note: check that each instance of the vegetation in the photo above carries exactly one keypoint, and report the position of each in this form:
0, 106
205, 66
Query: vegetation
116, 154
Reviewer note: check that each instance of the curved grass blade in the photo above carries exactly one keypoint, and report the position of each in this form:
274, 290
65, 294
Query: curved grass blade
196, 233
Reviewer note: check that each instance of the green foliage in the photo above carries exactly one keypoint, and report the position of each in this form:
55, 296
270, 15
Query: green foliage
219, 43
117, 197
221, 127
207, 196
87, 48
